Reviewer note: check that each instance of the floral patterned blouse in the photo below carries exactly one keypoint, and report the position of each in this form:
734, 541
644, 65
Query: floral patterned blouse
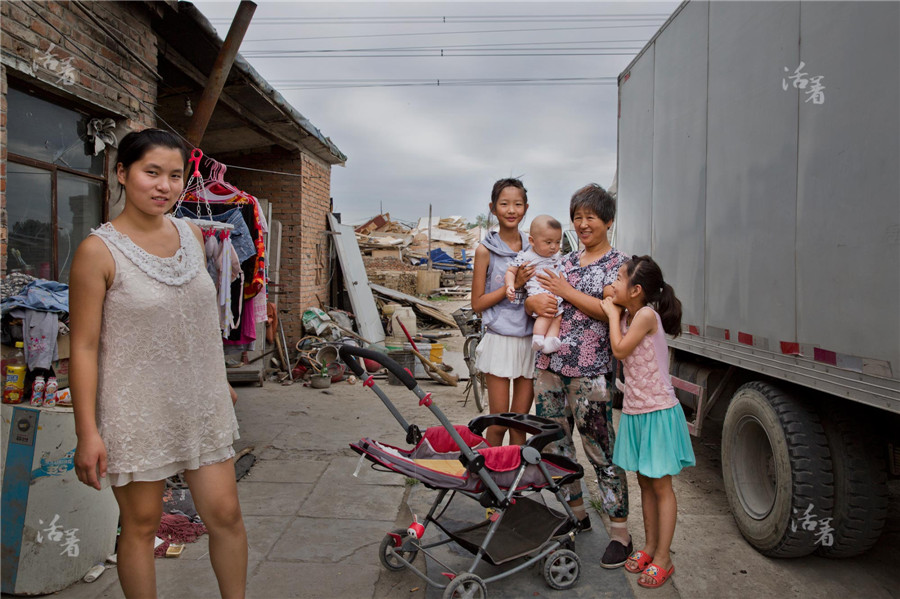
585, 349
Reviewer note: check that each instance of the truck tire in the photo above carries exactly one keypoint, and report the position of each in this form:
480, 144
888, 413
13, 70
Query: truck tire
776, 469
860, 485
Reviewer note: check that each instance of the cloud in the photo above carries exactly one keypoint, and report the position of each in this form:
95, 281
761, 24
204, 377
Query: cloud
409, 147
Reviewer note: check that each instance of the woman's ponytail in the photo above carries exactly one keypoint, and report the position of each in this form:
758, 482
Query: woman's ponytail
669, 308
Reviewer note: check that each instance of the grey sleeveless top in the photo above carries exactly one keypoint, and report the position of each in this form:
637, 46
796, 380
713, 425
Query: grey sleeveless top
504, 318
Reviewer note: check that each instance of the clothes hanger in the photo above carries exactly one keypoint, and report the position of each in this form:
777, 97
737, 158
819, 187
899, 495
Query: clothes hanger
195, 187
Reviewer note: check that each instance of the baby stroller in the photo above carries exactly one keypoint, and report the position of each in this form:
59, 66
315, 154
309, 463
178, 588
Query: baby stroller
456, 460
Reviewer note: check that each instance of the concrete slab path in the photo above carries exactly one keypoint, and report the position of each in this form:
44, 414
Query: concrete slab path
314, 529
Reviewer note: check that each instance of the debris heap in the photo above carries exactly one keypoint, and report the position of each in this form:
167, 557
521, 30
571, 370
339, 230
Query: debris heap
393, 252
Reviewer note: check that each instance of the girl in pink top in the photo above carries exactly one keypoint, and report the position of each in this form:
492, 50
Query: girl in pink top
653, 438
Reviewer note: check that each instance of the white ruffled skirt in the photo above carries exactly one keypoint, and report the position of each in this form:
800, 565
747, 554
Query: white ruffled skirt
507, 357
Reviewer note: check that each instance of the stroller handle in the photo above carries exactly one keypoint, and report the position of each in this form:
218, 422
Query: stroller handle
349, 353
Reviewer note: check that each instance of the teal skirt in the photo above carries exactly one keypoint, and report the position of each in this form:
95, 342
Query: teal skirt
654, 444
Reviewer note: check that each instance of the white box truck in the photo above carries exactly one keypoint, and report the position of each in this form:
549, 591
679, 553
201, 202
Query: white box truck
759, 164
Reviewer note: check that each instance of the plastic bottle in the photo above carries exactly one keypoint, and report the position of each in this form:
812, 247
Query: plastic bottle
50, 392
14, 381
14, 358
37, 391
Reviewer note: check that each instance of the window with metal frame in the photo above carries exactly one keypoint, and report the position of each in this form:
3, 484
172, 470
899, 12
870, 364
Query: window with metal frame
56, 187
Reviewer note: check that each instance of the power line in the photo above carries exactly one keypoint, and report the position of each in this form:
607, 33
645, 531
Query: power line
451, 54
309, 84
433, 33
425, 20
527, 45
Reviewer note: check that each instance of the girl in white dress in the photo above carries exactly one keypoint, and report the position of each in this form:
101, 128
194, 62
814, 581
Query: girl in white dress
149, 388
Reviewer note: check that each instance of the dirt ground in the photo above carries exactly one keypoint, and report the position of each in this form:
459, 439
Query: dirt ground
712, 558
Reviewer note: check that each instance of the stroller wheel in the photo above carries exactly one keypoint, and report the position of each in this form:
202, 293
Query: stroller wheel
405, 551
466, 586
562, 569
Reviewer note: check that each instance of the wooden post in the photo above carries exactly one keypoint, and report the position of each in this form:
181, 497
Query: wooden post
216, 81
429, 237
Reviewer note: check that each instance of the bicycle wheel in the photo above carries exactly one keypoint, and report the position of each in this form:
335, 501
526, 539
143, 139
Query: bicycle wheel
476, 379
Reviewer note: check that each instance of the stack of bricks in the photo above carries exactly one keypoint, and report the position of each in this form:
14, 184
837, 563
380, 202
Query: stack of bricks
77, 57
300, 201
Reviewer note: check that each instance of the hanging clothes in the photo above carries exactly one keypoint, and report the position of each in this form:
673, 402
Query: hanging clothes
224, 268
220, 201
241, 238
214, 199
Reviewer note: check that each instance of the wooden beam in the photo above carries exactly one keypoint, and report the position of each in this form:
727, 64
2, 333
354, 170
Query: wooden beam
216, 81
230, 103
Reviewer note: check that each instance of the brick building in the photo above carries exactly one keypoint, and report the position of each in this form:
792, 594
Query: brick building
67, 65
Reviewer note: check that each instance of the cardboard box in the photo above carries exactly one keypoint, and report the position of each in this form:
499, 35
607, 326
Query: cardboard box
61, 369
62, 346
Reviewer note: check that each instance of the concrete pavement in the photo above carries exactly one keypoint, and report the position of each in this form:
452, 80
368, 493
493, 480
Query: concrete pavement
313, 528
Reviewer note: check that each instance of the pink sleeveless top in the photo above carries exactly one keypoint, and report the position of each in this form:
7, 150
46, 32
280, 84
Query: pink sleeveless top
648, 387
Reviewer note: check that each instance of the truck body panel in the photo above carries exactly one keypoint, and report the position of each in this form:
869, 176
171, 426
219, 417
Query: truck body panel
759, 145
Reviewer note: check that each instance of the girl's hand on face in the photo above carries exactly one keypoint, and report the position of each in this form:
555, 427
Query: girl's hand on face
613, 311
90, 460
554, 283
523, 275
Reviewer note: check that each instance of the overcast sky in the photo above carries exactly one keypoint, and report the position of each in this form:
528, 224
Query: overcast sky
409, 146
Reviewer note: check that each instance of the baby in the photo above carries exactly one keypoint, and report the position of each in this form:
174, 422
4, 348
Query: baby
544, 236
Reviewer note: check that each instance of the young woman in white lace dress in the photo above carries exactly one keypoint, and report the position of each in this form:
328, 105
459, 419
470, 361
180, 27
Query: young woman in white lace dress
149, 389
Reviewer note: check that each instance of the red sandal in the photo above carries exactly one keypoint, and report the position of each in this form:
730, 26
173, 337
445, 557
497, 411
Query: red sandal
639, 562
658, 575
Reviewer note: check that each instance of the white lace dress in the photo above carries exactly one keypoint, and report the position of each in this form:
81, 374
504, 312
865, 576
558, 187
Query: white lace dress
163, 404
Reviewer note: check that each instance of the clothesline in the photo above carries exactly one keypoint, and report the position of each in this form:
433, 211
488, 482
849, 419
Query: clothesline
260, 170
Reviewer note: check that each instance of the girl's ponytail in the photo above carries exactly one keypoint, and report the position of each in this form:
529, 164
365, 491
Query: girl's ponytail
669, 309
644, 271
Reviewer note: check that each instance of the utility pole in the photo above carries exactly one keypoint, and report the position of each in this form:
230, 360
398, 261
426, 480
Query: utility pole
429, 237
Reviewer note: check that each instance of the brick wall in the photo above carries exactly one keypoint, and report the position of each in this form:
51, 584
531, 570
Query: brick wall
57, 48
3, 225
300, 202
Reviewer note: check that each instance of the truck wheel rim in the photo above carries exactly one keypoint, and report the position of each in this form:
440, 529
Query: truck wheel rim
754, 470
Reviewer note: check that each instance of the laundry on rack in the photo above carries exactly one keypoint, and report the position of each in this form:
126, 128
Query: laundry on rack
236, 258
255, 266
224, 268
241, 238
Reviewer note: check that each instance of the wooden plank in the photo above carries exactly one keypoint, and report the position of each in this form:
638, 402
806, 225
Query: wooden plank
436, 314
357, 282
426, 308
253, 373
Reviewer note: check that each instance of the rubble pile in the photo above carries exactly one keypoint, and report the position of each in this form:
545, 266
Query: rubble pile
380, 237
393, 253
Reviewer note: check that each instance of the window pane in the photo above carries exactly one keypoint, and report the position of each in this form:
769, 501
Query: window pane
79, 208
28, 214
44, 131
